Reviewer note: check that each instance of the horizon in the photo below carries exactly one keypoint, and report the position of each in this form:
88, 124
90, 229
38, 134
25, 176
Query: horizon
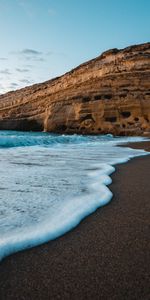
44, 41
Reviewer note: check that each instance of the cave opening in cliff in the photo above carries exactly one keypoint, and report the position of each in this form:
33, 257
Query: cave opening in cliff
111, 119
86, 99
98, 97
107, 97
125, 114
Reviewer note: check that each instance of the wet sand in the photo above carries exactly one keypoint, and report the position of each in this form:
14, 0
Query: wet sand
106, 257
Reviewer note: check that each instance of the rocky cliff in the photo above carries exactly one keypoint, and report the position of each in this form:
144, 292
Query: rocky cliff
109, 94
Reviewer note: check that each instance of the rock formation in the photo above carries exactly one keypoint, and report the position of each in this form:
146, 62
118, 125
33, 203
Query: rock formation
109, 94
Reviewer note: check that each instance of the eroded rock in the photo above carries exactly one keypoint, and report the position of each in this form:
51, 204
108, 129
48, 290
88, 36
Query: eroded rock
109, 94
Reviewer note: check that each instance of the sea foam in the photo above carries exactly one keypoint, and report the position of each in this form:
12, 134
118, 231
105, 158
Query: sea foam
49, 183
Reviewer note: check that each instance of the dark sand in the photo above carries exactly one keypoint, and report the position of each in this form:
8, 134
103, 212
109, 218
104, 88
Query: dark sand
106, 257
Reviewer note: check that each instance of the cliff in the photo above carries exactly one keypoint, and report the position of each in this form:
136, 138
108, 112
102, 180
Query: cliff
109, 94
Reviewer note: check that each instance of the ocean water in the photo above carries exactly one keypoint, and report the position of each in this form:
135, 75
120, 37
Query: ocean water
49, 183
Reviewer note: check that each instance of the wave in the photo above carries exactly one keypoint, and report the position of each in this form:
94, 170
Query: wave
55, 185
10, 139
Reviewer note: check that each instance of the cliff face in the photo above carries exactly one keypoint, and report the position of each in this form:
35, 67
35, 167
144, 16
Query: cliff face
109, 94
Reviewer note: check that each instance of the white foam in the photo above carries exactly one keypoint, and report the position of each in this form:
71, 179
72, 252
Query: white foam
48, 198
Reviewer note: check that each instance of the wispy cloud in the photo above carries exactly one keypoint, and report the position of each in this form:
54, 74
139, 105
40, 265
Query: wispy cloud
13, 85
22, 70
5, 72
30, 52
27, 51
39, 59
3, 58
28, 66
34, 58
26, 81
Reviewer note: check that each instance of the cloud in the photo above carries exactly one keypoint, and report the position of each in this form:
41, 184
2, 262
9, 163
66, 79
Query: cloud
25, 81
3, 58
30, 52
39, 59
34, 58
12, 86
22, 70
5, 72
28, 66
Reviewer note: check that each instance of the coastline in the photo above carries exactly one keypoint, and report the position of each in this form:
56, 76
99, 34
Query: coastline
105, 257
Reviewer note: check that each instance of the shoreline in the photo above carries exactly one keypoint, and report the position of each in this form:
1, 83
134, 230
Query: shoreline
104, 257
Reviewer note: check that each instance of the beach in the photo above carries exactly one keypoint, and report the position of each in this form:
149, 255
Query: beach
105, 257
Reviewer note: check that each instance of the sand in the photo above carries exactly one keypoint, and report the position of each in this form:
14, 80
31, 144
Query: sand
106, 257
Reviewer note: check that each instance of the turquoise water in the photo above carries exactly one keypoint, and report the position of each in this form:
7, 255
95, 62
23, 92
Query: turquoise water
49, 183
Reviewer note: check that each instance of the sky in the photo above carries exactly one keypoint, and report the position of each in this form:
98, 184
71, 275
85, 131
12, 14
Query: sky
42, 39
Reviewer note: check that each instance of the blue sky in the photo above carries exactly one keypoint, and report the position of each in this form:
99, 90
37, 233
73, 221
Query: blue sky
41, 39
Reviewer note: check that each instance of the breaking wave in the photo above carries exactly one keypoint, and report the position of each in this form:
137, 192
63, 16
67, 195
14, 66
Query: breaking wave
50, 182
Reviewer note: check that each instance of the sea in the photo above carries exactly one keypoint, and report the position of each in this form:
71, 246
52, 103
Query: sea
50, 182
